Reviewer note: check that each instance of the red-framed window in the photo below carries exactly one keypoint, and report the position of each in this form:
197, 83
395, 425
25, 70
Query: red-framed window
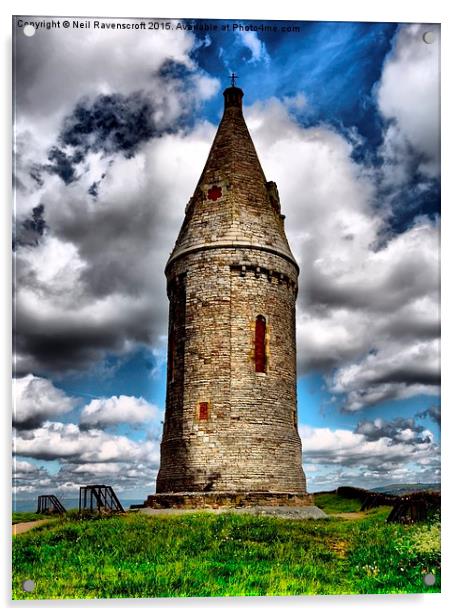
203, 411
260, 350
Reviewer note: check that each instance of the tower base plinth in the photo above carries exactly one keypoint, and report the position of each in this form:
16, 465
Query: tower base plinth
215, 500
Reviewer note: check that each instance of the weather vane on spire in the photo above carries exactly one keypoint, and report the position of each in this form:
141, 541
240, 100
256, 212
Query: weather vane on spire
233, 78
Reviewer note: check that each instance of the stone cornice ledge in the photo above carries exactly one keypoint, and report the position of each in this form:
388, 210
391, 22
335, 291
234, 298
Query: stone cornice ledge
226, 244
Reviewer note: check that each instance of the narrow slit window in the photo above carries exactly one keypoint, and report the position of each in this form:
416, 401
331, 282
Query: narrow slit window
260, 352
203, 411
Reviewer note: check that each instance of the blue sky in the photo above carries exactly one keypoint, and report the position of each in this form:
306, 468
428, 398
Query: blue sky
107, 155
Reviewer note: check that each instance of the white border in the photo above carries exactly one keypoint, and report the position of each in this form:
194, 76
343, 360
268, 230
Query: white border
326, 10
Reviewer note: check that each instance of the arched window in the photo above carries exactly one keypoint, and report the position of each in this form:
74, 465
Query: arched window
260, 352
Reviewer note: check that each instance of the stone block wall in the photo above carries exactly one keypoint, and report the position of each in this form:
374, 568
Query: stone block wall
217, 500
249, 440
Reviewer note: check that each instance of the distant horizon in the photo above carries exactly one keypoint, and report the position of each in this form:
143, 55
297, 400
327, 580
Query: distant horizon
132, 500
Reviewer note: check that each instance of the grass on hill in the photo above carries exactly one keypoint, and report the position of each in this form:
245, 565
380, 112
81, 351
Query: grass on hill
330, 502
204, 554
28, 516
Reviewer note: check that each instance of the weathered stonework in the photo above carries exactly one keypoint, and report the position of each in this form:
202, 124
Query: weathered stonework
216, 500
230, 432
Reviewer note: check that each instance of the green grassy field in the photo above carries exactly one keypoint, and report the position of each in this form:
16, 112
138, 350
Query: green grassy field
204, 554
331, 503
27, 516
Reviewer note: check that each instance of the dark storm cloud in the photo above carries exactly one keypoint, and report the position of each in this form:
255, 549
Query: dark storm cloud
419, 374
30, 230
433, 412
62, 350
398, 430
93, 190
36, 223
380, 459
401, 283
174, 70
35, 174
48, 84
398, 370
108, 124
62, 164
68, 344
420, 329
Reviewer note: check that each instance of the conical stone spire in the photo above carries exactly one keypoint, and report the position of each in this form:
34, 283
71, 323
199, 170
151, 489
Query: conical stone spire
233, 204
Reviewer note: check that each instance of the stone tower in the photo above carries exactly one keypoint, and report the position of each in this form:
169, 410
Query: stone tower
230, 432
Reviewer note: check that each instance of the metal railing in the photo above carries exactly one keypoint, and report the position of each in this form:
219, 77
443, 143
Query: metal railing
99, 498
48, 503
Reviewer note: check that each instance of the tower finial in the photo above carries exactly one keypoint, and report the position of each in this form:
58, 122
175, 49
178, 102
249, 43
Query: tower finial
233, 78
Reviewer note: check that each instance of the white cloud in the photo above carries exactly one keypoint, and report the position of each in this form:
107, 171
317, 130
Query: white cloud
344, 447
116, 410
328, 339
21, 467
356, 400
98, 468
95, 280
56, 267
36, 399
59, 441
111, 472
327, 197
385, 452
394, 371
297, 103
256, 47
409, 95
